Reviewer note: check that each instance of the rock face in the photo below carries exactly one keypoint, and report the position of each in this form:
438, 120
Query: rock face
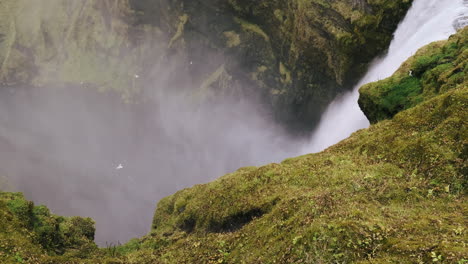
83, 43
293, 55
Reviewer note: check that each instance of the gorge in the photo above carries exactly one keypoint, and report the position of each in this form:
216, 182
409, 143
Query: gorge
204, 101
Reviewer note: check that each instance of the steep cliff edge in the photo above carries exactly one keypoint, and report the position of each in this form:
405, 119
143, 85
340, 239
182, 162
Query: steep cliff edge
392, 193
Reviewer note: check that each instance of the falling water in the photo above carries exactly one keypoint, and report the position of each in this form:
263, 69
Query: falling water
425, 22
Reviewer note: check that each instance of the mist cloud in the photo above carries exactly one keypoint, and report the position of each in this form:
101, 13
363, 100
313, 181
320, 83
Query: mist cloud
62, 145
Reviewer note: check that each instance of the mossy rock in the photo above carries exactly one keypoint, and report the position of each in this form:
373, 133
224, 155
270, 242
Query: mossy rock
435, 69
394, 193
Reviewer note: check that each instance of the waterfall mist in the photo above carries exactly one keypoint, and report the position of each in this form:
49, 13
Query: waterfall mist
63, 147
86, 152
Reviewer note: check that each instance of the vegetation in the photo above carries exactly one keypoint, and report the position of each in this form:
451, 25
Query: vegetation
437, 68
31, 234
393, 193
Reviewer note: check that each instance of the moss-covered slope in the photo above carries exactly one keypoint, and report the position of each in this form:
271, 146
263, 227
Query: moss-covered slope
31, 234
435, 69
394, 193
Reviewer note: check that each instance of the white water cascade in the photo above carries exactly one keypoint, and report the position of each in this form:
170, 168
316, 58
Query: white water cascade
425, 22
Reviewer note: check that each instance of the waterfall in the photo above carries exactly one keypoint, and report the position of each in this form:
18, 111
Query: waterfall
425, 22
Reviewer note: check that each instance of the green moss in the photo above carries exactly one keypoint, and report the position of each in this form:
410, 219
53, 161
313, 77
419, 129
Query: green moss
252, 28
233, 39
31, 232
21, 208
377, 197
435, 69
180, 29
393, 97
285, 74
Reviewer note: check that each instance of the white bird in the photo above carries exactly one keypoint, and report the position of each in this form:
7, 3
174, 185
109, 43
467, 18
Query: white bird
191, 62
137, 76
119, 167
410, 73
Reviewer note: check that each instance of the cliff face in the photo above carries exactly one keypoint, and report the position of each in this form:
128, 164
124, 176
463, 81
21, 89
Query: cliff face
392, 193
83, 43
294, 55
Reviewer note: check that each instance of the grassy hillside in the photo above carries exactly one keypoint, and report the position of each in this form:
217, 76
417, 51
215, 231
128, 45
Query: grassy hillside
393, 193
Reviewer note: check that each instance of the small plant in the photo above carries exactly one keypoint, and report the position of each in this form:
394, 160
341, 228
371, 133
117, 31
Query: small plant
459, 231
18, 258
435, 257
223, 252
112, 249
